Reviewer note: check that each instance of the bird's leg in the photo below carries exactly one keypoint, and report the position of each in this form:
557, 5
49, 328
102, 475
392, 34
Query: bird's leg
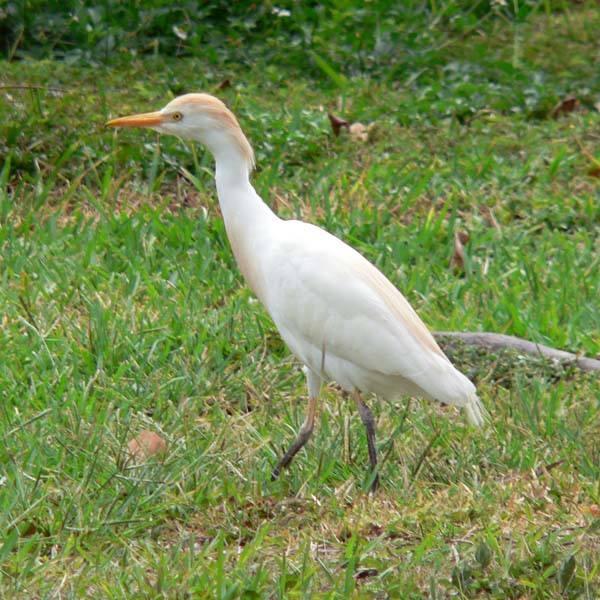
303, 437
369, 422
314, 386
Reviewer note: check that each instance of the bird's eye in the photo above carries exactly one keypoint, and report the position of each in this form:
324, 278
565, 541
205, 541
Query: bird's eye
176, 116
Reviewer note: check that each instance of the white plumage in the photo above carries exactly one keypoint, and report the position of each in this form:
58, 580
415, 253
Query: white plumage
342, 318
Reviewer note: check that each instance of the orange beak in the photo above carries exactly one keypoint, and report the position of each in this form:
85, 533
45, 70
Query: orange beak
151, 119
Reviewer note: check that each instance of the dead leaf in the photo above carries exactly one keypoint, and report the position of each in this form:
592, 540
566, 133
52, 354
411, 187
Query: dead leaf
147, 444
457, 262
565, 106
364, 573
360, 132
337, 123
226, 83
28, 528
594, 172
464, 237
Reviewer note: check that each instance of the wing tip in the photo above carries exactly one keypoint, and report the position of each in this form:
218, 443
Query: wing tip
476, 412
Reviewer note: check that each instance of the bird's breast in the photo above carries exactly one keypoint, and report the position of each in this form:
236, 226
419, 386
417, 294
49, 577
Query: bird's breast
248, 249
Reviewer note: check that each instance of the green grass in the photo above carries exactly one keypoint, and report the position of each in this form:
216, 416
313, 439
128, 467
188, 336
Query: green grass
121, 309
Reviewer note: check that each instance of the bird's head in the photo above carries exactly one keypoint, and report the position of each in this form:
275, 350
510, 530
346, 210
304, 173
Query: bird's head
199, 117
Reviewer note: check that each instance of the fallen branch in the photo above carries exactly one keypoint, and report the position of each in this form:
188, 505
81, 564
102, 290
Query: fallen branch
499, 341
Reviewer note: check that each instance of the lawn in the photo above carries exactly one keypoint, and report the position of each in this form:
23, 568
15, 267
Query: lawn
122, 309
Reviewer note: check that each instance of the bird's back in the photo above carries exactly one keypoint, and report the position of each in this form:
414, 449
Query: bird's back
338, 313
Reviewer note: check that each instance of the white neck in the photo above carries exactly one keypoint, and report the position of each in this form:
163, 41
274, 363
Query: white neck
248, 220
232, 174
238, 199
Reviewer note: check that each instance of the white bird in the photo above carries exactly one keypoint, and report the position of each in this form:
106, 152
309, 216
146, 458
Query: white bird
339, 315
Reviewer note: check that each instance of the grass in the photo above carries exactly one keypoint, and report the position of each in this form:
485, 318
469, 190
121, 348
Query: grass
122, 310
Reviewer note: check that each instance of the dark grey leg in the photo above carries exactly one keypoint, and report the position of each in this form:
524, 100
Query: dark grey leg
303, 437
369, 422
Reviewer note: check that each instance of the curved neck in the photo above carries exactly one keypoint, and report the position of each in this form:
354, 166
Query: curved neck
231, 149
237, 197
248, 220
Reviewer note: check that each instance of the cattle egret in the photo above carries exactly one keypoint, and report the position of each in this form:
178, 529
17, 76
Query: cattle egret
341, 317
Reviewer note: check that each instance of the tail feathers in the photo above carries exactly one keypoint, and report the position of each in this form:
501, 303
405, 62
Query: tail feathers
476, 412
